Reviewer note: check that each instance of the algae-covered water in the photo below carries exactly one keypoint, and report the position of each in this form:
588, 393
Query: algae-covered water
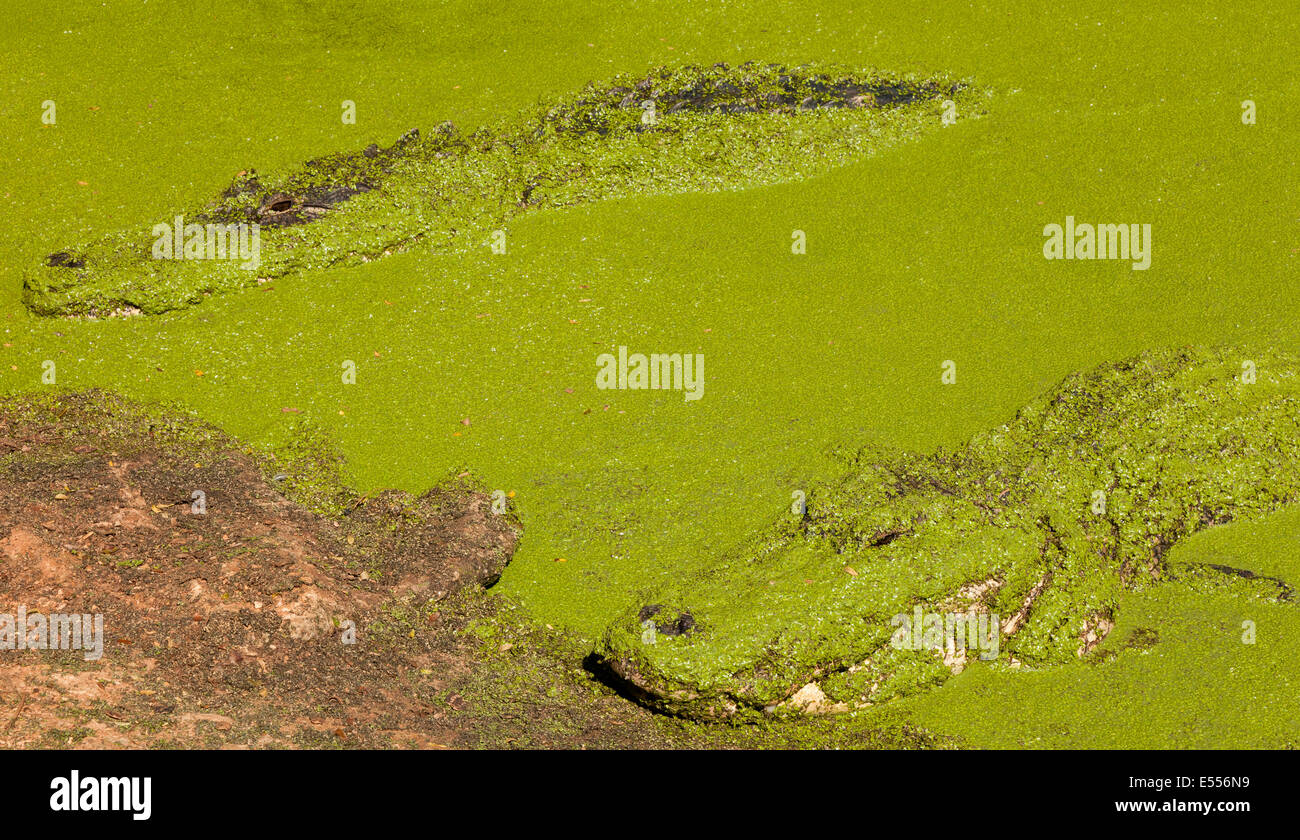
928, 252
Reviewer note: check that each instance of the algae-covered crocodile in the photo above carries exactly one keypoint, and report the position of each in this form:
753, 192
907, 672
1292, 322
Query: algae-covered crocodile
1042, 522
685, 129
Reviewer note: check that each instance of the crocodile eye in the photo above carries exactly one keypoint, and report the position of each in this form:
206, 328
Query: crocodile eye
277, 203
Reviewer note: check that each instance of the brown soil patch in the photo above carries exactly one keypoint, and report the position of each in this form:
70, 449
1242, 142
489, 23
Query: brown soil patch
225, 615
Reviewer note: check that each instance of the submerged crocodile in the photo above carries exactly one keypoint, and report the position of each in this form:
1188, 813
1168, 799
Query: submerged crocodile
678, 130
1043, 522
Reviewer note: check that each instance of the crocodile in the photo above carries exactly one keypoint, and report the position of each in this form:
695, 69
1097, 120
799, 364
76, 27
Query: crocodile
669, 131
1042, 523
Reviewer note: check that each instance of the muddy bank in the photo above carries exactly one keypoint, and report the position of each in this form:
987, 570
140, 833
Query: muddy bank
230, 613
